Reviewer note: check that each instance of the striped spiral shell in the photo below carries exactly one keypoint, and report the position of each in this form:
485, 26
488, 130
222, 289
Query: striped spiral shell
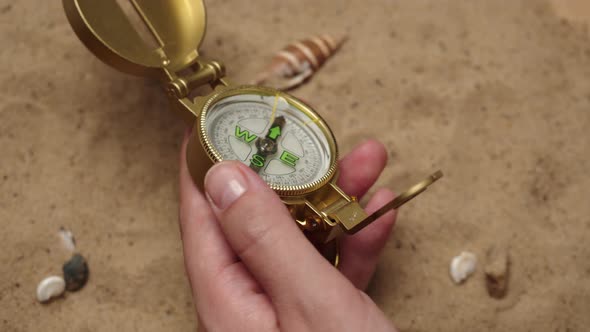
299, 61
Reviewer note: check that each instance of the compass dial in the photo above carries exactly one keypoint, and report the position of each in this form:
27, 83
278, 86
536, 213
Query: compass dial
284, 144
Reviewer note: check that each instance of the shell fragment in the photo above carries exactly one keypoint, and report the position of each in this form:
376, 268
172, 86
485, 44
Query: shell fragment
50, 287
67, 239
497, 271
462, 266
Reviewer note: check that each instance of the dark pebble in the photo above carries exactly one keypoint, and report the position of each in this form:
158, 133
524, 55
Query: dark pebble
75, 273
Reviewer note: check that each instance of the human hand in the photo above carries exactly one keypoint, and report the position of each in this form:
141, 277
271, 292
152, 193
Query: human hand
252, 269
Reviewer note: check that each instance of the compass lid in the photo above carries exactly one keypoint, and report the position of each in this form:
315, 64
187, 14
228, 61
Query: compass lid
140, 37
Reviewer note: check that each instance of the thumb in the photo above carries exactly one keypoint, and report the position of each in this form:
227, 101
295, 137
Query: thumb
263, 234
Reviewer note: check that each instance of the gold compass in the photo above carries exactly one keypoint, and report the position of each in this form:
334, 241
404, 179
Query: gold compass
278, 136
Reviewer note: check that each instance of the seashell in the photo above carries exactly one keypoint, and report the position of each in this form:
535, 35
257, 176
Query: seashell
67, 239
299, 61
50, 287
75, 273
497, 271
462, 266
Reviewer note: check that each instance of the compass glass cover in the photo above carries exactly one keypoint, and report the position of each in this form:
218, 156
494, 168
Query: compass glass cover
280, 142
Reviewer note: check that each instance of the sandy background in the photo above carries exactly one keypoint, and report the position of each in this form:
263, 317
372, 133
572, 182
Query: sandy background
495, 93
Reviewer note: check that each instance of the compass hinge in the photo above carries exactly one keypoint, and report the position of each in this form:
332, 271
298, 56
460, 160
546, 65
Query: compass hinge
207, 73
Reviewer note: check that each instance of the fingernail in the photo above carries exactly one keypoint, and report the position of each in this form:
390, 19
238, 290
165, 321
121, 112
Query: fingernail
224, 183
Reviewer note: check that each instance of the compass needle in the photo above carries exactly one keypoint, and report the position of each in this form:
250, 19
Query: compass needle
268, 146
274, 109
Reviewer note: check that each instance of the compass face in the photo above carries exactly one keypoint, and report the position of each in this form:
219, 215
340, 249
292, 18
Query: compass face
279, 141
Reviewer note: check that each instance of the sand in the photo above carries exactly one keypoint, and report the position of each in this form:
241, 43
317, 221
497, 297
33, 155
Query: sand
495, 93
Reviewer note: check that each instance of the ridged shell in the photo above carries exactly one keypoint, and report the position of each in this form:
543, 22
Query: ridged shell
299, 60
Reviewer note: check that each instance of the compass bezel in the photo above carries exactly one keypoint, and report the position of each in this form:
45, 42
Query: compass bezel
215, 156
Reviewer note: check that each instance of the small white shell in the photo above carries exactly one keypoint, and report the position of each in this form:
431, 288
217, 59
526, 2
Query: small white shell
462, 266
50, 287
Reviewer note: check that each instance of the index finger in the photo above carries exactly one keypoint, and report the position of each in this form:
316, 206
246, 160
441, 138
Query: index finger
361, 167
